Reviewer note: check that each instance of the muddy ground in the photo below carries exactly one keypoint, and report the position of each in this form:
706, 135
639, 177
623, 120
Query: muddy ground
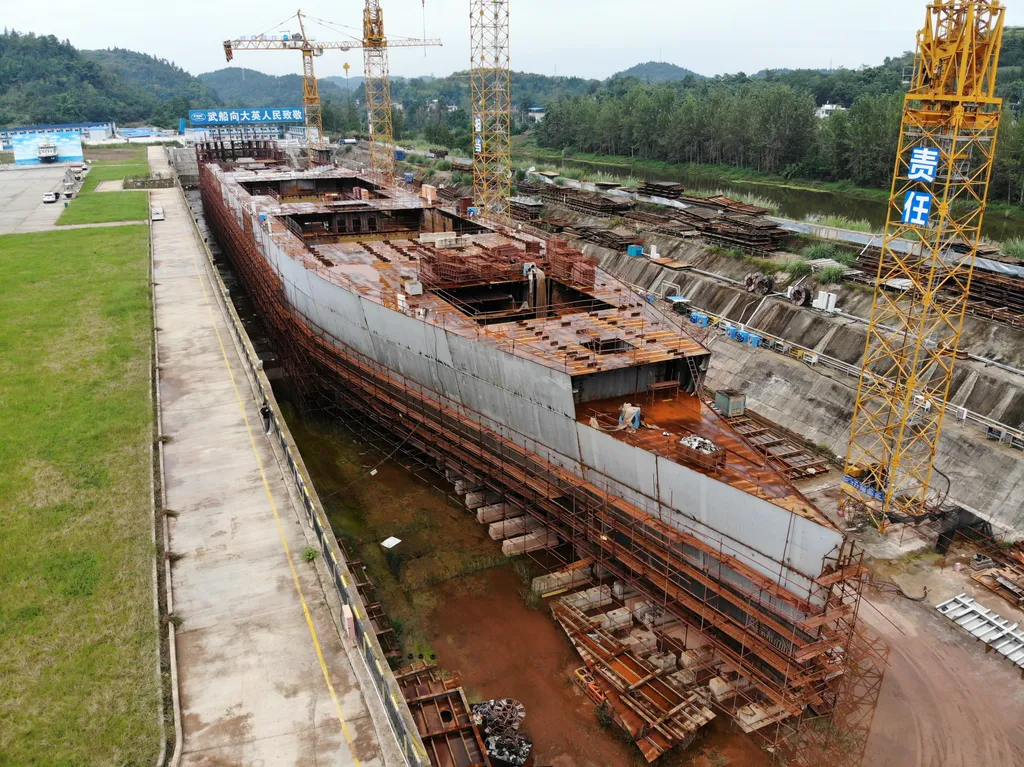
455, 598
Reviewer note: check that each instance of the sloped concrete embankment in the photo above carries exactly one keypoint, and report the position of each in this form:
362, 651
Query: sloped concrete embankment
817, 403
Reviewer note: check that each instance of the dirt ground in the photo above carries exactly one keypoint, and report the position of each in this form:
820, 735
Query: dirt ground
451, 594
482, 628
945, 702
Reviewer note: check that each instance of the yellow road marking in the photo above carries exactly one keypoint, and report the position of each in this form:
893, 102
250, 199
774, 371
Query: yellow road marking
277, 517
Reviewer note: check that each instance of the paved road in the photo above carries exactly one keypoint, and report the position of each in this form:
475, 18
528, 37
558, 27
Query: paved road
21, 199
263, 675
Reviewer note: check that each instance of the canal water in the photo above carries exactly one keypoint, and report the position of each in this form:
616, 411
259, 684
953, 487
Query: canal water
796, 204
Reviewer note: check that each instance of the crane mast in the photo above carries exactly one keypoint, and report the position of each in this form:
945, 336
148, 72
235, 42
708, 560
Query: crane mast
378, 88
311, 94
492, 107
378, 93
939, 191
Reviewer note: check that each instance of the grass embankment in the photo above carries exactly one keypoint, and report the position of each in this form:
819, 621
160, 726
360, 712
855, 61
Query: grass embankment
6, 158
77, 634
92, 207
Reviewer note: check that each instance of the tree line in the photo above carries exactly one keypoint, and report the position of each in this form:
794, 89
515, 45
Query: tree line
764, 125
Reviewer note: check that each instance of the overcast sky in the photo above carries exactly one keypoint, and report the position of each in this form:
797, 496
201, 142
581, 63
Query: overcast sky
588, 38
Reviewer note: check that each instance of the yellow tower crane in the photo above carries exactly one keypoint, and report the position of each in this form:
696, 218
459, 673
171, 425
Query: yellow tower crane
311, 48
492, 107
940, 186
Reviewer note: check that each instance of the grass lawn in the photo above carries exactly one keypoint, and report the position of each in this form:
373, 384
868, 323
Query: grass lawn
77, 634
102, 207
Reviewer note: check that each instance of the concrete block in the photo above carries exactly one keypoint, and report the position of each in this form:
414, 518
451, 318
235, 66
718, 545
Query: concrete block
681, 680
755, 716
563, 579
663, 661
510, 528
479, 499
464, 486
640, 642
615, 620
486, 515
535, 541
590, 599
622, 591
655, 616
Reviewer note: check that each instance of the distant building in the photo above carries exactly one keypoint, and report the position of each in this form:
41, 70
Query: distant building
535, 114
453, 107
94, 130
827, 110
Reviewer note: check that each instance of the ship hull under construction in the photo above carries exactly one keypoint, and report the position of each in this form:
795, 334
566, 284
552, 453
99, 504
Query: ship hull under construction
725, 546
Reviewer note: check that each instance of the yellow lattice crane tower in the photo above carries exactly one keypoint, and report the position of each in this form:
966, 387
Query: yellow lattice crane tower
311, 48
940, 186
377, 84
492, 107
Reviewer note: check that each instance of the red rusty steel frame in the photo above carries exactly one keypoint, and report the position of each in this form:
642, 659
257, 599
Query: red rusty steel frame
823, 669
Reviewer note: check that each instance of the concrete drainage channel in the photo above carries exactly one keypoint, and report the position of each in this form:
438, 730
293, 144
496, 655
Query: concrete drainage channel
353, 620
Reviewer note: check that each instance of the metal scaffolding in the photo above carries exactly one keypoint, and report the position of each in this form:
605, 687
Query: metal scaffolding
492, 107
803, 653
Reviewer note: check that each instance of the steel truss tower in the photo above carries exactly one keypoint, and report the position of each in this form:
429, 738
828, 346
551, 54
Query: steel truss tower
492, 112
378, 93
940, 185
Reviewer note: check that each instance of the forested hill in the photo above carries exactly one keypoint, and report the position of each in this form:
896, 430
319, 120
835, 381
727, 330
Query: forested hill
164, 79
45, 80
658, 72
241, 87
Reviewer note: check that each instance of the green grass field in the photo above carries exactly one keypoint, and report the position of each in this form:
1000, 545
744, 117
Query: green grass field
77, 634
103, 207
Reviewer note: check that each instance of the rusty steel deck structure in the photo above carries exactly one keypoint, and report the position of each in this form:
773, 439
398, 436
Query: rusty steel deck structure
502, 357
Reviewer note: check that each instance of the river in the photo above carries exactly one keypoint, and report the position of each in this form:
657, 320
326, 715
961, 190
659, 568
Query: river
797, 204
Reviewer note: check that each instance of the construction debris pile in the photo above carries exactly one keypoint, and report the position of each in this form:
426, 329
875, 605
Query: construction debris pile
499, 721
701, 445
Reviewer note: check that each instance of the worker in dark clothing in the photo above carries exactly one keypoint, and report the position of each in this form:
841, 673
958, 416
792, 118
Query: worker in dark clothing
265, 414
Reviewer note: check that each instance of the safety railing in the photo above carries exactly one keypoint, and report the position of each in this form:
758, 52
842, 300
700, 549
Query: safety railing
366, 640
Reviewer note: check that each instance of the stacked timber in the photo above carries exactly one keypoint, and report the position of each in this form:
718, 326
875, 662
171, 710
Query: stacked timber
653, 222
448, 193
585, 202
525, 208
992, 295
733, 229
668, 189
606, 238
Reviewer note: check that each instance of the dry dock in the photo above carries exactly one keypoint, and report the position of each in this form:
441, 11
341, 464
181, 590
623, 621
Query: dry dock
264, 677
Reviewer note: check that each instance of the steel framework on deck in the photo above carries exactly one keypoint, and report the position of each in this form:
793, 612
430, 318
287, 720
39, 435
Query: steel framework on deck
823, 670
